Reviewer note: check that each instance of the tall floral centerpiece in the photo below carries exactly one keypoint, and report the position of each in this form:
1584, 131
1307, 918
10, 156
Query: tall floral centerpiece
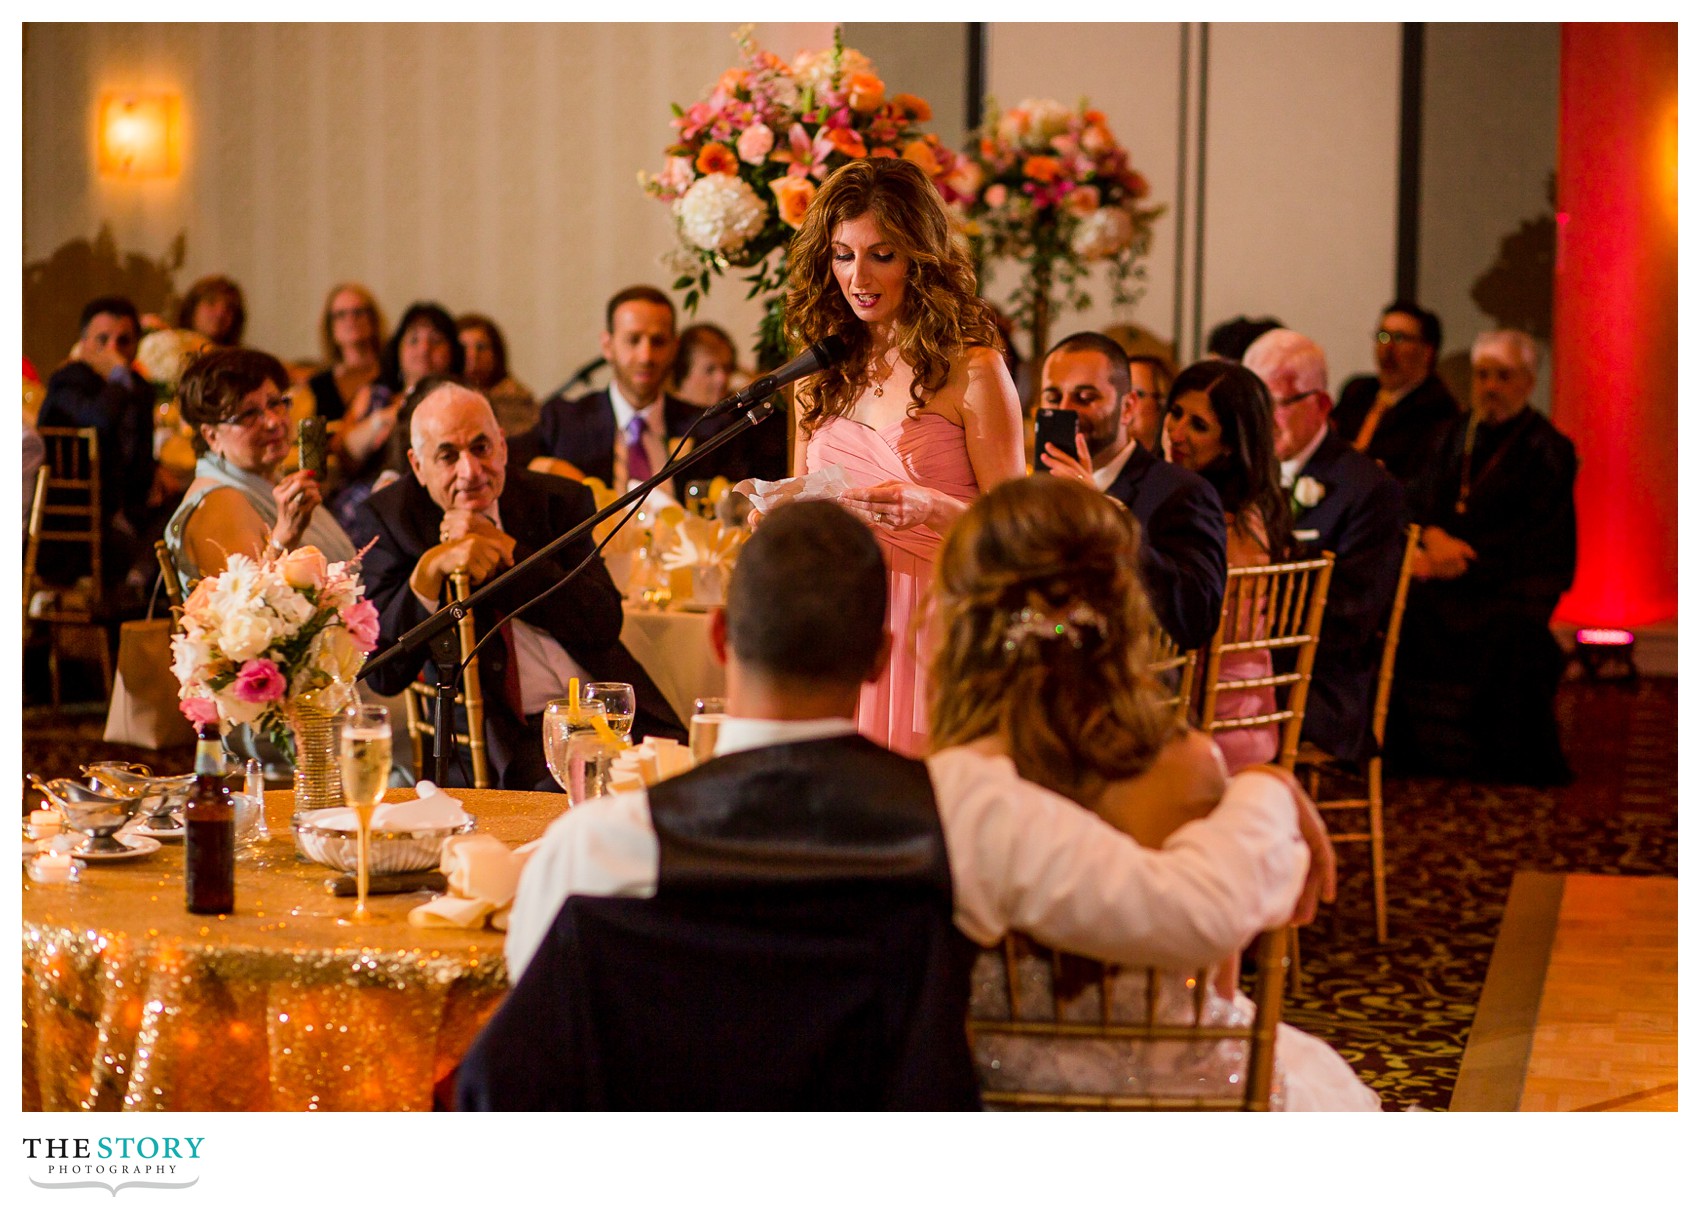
748, 158
1053, 190
276, 646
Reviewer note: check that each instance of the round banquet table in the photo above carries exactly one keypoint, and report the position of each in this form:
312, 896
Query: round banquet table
131, 1003
673, 646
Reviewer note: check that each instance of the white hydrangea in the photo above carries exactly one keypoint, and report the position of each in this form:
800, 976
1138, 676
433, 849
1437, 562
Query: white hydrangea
720, 212
813, 69
1050, 118
1103, 233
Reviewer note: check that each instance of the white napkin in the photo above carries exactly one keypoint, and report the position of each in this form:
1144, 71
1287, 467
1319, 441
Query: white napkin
435, 809
482, 875
701, 541
828, 483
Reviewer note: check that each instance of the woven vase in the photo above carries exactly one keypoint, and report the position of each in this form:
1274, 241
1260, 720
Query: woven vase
318, 775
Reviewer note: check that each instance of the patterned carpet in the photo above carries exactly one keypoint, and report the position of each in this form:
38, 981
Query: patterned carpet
1400, 1012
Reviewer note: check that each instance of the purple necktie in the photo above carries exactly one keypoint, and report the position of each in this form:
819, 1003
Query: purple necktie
637, 456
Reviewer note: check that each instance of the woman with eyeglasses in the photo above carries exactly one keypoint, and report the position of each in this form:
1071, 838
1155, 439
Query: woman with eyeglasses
234, 402
352, 332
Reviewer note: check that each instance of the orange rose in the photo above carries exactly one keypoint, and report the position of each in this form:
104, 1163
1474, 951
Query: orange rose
793, 195
911, 108
1043, 169
883, 153
717, 158
1082, 201
1094, 117
867, 92
919, 153
731, 80
988, 149
847, 141
1097, 139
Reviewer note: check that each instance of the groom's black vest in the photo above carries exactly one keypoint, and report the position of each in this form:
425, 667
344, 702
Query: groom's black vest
799, 952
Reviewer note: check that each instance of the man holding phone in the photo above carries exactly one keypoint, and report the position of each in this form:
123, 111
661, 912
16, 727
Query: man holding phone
1183, 556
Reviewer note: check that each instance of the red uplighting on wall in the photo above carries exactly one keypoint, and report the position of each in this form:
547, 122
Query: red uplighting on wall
1614, 316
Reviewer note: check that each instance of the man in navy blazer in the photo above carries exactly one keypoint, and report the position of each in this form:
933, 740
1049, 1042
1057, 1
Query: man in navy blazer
624, 433
1343, 502
464, 509
1183, 553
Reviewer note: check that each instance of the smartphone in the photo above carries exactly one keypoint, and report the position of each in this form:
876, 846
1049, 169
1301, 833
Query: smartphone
311, 434
1056, 427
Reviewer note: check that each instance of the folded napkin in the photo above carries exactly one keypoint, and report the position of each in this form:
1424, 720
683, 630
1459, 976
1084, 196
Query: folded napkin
435, 809
828, 483
483, 875
701, 541
648, 763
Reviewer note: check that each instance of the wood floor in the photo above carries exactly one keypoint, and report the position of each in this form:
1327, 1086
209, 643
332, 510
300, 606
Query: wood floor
1579, 1012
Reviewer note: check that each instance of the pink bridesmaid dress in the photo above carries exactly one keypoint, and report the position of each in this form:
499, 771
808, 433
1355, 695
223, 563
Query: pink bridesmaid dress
925, 449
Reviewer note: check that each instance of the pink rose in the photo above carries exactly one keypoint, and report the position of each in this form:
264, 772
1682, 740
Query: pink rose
755, 143
199, 711
996, 195
361, 620
258, 681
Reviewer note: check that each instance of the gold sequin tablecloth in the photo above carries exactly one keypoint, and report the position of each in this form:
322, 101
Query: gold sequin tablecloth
132, 1003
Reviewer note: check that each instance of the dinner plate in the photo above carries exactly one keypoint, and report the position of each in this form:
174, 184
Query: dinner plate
138, 846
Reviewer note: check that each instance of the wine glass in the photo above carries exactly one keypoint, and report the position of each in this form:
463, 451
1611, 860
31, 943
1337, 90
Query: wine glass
365, 761
619, 700
706, 715
561, 719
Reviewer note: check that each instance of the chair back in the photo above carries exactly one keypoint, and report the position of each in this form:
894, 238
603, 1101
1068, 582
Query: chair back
1390, 644
1269, 607
168, 574
421, 697
788, 995
32, 535
71, 513
1173, 668
1067, 1033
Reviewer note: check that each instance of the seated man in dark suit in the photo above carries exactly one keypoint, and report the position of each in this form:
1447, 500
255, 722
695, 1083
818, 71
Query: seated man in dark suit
101, 389
463, 509
625, 433
1183, 553
1342, 503
1395, 415
796, 807
1478, 665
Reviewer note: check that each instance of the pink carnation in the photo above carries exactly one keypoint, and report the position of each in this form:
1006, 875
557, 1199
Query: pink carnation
361, 620
755, 143
199, 711
258, 681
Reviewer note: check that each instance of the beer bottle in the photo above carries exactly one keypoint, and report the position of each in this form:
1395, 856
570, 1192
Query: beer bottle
209, 830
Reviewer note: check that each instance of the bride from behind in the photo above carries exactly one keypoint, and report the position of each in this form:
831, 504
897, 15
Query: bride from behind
922, 414
1043, 630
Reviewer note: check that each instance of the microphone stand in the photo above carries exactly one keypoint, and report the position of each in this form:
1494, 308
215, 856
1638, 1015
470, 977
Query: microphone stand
438, 633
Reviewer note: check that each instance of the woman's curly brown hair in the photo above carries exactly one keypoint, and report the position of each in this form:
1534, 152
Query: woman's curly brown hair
1072, 718
940, 315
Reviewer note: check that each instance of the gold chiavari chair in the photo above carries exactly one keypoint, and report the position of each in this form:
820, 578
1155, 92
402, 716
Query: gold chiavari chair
168, 573
1318, 763
1174, 669
1174, 1056
66, 512
421, 699
1272, 607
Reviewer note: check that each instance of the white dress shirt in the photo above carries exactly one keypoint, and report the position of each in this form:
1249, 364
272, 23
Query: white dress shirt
1290, 468
654, 434
1105, 476
1021, 858
545, 668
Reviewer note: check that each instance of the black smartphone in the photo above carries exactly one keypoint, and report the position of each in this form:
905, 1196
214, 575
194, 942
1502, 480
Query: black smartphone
1056, 427
311, 435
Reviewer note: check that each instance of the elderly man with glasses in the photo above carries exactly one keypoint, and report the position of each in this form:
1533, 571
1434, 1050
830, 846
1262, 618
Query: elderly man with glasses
1342, 503
1395, 415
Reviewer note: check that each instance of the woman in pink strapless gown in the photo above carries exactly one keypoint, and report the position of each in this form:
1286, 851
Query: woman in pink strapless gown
921, 413
1219, 422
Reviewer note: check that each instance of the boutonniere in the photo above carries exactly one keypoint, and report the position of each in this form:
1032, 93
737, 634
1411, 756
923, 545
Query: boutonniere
1308, 492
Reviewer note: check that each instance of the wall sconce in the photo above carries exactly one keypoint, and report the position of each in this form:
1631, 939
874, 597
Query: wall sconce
139, 135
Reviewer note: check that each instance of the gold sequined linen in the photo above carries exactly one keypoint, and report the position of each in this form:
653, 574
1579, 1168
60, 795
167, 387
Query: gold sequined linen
131, 1003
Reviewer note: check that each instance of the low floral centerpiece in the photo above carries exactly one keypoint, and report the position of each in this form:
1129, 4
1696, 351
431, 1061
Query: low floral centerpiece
748, 158
1053, 190
276, 646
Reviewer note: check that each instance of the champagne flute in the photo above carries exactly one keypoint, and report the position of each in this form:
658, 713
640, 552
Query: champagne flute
619, 700
365, 761
706, 715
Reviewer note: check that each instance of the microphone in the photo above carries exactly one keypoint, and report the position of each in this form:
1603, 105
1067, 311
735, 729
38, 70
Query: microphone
828, 351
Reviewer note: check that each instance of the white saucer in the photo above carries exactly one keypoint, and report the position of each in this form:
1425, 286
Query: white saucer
145, 831
139, 846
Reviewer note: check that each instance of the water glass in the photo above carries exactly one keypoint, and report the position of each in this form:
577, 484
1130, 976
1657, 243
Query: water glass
561, 720
706, 715
590, 765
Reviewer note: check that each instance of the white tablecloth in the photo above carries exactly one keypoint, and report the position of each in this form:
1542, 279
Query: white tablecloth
673, 646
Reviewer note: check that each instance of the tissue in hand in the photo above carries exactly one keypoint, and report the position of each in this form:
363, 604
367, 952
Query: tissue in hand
828, 483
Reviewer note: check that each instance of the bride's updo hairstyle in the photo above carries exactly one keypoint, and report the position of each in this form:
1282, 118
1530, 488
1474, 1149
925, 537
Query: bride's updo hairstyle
940, 316
1043, 633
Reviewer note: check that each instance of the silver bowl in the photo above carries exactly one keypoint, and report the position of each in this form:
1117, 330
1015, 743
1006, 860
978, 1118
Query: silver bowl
90, 812
389, 851
163, 796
